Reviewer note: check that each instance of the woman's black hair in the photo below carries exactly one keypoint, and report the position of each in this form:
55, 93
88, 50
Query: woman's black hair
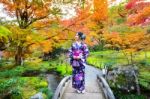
81, 35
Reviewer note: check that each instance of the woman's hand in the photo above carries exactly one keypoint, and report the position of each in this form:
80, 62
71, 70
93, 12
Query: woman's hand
76, 57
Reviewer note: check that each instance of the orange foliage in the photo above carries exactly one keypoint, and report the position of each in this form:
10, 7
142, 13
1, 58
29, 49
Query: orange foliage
113, 38
84, 21
100, 10
46, 46
79, 23
27, 11
140, 13
8, 54
127, 41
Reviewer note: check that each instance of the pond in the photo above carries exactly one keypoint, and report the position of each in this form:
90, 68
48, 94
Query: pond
53, 81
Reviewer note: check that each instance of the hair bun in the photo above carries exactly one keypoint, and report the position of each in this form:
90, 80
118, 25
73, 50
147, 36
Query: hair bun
81, 35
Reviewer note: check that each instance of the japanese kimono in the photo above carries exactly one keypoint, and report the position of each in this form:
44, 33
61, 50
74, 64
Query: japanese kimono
78, 65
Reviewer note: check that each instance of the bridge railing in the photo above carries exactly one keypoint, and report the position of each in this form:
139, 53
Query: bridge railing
61, 87
105, 87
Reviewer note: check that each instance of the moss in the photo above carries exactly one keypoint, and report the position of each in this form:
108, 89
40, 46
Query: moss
32, 86
24, 87
42, 84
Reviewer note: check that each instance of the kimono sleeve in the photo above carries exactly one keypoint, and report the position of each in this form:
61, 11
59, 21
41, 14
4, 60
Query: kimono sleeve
85, 51
70, 54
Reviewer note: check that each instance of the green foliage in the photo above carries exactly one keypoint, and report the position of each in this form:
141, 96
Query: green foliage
125, 29
11, 86
34, 85
95, 48
112, 59
120, 20
94, 61
131, 96
39, 66
144, 79
1, 63
12, 73
56, 53
64, 69
110, 64
4, 32
47, 92
16, 93
25, 87
107, 58
36, 82
115, 58
115, 12
7, 84
144, 63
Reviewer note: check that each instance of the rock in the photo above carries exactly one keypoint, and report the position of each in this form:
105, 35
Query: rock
124, 77
37, 96
104, 71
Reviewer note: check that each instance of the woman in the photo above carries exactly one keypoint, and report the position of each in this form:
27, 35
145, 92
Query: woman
78, 54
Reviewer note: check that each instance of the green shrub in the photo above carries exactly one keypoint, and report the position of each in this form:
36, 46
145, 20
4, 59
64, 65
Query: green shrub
144, 63
7, 84
120, 20
16, 93
132, 96
144, 79
32, 86
64, 69
11, 86
47, 92
12, 73
41, 84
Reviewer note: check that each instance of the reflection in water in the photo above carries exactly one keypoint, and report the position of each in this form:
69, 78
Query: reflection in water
53, 81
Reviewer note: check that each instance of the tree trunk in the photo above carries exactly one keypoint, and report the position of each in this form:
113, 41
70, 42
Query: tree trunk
145, 52
131, 55
128, 60
137, 84
1, 54
18, 56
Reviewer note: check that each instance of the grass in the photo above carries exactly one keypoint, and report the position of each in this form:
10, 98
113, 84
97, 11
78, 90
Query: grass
99, 59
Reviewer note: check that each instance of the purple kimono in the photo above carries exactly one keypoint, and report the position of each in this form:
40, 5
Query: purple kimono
78, 73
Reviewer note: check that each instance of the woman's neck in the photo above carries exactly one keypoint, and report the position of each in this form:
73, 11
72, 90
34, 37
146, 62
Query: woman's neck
78, 41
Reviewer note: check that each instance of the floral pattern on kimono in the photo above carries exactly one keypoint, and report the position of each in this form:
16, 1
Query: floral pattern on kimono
78, 72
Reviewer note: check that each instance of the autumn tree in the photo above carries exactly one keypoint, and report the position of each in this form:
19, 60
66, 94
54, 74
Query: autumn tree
79, 23
139, 15
98, 21
100, 10
128, 43
26, 12
139, 12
